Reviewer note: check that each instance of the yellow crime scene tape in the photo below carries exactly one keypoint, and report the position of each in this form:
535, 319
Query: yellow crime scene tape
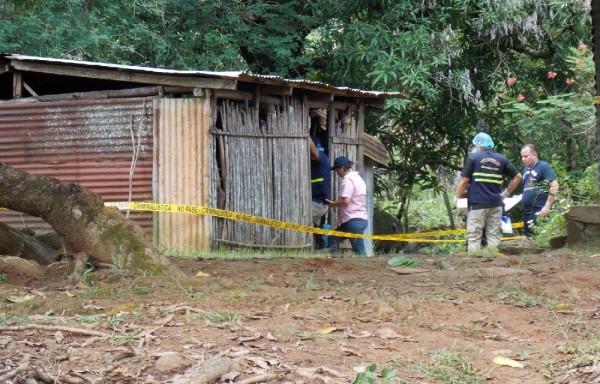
221, 213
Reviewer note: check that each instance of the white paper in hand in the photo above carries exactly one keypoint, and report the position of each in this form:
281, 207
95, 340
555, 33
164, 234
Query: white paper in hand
510, 202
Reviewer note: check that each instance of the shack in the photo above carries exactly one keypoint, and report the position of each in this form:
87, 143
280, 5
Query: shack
232, 140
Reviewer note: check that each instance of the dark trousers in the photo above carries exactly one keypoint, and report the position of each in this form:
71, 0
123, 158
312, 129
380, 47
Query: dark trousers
529, 218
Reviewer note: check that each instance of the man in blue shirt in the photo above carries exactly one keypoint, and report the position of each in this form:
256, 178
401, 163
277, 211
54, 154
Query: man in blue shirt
320, 180
540, 187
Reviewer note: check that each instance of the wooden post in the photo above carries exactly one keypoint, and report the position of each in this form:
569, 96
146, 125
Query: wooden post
17, 85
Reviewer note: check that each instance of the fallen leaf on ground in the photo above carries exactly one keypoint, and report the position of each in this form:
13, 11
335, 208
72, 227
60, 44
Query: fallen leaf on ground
202, 274
326, 330
20, 299
164, 321
563, 306
120, 308
349, 352
501, 360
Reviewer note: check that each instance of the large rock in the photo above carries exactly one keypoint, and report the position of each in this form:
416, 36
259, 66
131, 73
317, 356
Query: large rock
583, 224
520, 247
589, 214
386, 224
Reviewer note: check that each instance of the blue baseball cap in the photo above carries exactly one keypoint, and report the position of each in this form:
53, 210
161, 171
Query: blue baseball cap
341, 161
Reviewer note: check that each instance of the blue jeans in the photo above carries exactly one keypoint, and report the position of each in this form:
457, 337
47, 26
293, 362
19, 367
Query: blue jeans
357, 226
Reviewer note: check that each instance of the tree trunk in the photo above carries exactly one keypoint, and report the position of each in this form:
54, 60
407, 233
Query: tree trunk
81, 219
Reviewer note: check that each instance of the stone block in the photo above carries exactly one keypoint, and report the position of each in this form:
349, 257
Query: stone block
589, 214
592, 231
575, 232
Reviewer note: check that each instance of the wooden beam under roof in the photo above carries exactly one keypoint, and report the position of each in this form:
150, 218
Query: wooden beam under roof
276, 90
374, 101
318, 97
128, 76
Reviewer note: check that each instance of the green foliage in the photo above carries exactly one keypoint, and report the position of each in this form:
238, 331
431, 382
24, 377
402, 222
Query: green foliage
555, 110
586, 189
182, 34
2, 277
427, 211
401, 261
446, 248
451, 367
369, 376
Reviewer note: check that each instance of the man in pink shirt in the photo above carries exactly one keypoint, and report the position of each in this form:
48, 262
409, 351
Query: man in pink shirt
351, 204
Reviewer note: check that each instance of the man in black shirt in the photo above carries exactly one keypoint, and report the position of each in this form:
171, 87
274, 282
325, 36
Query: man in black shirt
483, 174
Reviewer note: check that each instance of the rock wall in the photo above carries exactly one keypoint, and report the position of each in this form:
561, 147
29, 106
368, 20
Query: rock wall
583, 223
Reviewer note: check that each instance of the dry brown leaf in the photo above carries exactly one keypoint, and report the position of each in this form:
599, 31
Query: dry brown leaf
258, 361
349, 352
387, 333
58, 336
39, 293
165, 320
249, 338
362, 335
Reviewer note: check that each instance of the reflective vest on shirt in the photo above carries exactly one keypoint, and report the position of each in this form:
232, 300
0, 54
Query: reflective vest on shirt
486, 181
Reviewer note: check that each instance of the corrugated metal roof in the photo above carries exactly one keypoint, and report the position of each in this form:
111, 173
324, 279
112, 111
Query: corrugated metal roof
230, 75
93, 64
375, 149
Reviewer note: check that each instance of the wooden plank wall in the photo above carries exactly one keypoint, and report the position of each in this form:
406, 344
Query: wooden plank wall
264, 169
345, 140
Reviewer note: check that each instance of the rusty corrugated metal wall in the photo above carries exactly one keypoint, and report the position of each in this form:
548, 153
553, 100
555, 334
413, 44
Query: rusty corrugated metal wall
87, 142
183, 171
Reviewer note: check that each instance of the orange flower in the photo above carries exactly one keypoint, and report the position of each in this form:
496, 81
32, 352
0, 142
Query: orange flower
521, 97
570, 81
582, 46
551, 75
511, 80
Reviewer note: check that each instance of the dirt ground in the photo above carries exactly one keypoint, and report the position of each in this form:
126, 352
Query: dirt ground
313, 320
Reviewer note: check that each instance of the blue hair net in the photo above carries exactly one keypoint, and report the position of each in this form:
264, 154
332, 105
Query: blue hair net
483, 140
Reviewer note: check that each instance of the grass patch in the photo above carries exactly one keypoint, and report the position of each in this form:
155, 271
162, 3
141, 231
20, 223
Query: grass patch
451, 367
216, 316
192, 294
237, 296
138, 289
13, 320
514, 293
97, 292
